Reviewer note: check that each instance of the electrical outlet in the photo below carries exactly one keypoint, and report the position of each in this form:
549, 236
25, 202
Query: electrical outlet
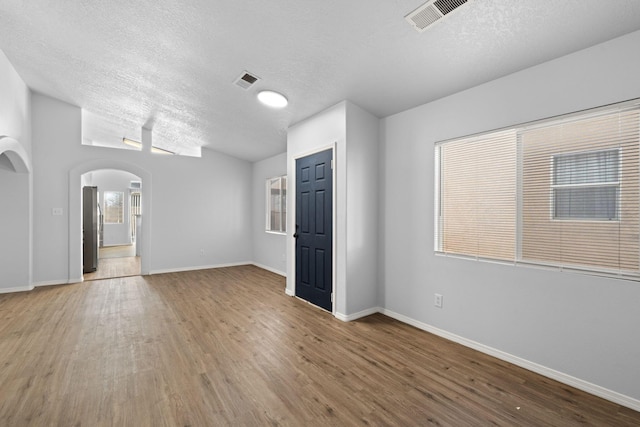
437, 300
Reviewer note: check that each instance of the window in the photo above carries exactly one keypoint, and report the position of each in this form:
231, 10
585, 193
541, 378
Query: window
113, 207
277, 204
562, 193
585, 185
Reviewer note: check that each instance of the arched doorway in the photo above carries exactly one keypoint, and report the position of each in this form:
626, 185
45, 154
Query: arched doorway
75, 213
111, 212
16, 215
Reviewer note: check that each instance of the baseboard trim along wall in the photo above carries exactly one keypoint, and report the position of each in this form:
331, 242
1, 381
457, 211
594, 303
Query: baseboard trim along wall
273, 270
588, 387
199, 267
16, 289
57, 282
358, 315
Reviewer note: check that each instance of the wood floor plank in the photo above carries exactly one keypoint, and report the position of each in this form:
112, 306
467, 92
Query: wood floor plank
228, 347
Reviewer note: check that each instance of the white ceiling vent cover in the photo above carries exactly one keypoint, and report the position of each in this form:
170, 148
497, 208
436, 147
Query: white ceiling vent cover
246, 80
432, 12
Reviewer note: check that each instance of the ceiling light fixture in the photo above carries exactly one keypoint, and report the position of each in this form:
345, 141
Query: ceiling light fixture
132, 143
161, 151
273, 99
138, 145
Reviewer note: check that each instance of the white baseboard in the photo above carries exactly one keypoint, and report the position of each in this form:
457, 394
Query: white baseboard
16, 289
358, 315
273, 270
199, 267
586, 386
56, 282
289, 292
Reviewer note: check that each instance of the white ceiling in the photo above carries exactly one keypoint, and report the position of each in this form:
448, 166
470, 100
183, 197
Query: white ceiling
171, 65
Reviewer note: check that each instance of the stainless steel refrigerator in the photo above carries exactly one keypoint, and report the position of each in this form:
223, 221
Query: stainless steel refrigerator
89, 229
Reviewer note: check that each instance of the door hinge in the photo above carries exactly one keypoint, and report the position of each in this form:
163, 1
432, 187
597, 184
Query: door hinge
332, 164
331, 296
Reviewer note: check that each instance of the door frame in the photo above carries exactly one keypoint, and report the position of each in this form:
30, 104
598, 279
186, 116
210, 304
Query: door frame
75, 213
291, 190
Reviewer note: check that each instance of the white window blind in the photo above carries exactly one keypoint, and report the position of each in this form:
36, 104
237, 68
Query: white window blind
584, 213
478, 196
561, 193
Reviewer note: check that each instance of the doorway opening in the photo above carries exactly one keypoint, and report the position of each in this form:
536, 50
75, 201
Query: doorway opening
112, 209
79, 178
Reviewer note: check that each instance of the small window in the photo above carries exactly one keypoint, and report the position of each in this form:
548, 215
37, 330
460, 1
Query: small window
586, 185
113, 207
277, 204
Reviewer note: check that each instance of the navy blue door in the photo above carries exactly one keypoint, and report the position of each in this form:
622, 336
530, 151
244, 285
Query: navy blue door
314, 228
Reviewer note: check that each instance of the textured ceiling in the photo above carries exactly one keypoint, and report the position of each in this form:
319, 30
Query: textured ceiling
170, 66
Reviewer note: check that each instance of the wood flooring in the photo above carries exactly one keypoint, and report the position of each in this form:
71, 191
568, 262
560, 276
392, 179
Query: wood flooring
109, 268
227, 347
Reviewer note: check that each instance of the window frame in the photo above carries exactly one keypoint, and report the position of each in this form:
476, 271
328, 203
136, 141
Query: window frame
282, 209
621, 271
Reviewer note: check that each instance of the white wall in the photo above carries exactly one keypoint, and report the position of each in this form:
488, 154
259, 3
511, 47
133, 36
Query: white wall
327, 129
15, 105
362, 210
578, 325
269, 249
15, 188
114, 180
353, 133
200, 207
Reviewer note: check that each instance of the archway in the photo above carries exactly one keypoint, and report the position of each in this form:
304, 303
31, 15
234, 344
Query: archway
16, 213
15, 153
75, 213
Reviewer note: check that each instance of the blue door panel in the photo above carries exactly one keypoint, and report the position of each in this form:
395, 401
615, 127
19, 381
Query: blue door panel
314, 229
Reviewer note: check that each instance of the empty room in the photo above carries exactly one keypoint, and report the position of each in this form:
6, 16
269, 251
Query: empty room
388, 212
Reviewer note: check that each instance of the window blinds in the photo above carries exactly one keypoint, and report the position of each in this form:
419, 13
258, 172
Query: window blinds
580, 193
562, 193
478, 196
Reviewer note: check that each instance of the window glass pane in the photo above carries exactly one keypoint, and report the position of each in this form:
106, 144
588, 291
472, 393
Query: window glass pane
283, 201
113, 207
586, 203
586, 168
276, 204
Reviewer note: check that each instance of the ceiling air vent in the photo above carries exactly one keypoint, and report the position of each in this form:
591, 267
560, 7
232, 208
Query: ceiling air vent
246, 80
432, 12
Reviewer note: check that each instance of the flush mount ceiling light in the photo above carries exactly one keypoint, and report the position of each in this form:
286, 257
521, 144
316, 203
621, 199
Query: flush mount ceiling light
272, 99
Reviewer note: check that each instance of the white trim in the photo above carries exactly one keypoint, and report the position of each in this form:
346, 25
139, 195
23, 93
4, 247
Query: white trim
16, 289
200, 267
586, 386
288, 292
358, 315
16, 154
57, 282
271, 269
